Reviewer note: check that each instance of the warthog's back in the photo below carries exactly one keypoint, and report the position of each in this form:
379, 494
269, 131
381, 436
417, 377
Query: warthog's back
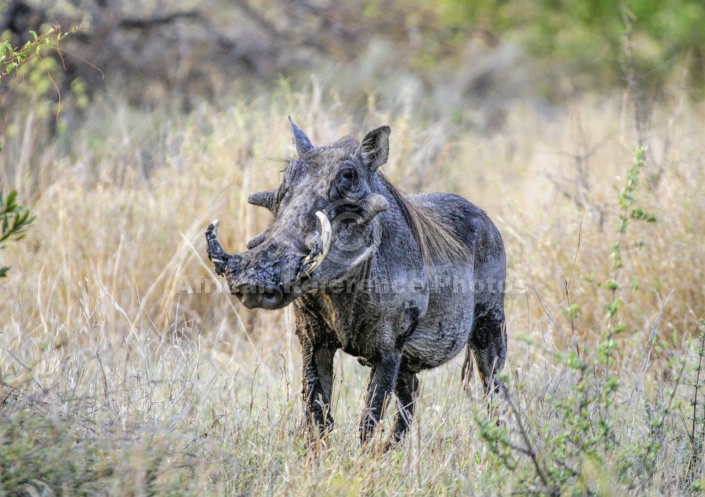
458, 290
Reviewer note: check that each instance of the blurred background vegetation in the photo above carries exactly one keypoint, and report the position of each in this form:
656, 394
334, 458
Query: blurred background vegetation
463, 54
127, 125
464, 62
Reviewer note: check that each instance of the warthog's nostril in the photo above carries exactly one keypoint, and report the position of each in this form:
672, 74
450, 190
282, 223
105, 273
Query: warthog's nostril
272, 296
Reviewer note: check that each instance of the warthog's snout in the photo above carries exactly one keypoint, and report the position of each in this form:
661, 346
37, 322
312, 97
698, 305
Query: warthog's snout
258, 294
267, 277
251, 290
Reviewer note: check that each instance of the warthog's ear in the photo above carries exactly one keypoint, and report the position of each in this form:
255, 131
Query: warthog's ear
374, 148
303, 144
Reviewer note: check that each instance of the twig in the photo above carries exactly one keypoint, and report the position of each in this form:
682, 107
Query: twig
149, 22
696, 443
550, 316
529, 450
566, 285
659, 424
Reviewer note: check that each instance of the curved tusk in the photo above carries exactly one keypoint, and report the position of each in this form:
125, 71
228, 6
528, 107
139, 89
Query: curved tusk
215, 252
313, 260
326, 233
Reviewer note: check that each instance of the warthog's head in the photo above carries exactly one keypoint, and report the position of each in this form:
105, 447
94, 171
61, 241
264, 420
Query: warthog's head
324, 224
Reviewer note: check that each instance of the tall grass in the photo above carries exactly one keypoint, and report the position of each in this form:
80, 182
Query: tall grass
126, 370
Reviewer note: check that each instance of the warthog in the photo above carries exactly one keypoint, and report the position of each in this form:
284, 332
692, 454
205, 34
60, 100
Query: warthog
402, 282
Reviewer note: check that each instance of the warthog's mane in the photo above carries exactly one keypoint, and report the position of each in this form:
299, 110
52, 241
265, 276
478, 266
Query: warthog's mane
435, 237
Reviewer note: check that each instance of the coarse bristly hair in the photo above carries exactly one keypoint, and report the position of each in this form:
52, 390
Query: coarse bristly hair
436, 240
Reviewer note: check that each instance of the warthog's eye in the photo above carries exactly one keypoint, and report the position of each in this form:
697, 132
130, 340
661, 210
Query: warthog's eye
346, 184
346, 176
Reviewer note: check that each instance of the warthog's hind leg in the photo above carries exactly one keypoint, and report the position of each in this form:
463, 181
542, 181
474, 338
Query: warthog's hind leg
488, 342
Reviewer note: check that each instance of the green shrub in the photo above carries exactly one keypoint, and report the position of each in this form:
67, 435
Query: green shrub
16, 218
581, 448
14, 221
587, 37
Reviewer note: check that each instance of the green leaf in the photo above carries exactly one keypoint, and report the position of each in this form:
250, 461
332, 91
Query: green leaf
11, 200
639, 213
613, 308
619, 328
572, 311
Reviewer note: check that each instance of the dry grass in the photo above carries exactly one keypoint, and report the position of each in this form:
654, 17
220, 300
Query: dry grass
118, 380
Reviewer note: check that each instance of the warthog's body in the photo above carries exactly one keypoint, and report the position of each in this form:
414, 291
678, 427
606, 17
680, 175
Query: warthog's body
401, 282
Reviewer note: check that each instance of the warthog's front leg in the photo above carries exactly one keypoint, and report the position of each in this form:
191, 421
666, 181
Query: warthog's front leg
317, 387
383, 380
407, 390
318, 347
